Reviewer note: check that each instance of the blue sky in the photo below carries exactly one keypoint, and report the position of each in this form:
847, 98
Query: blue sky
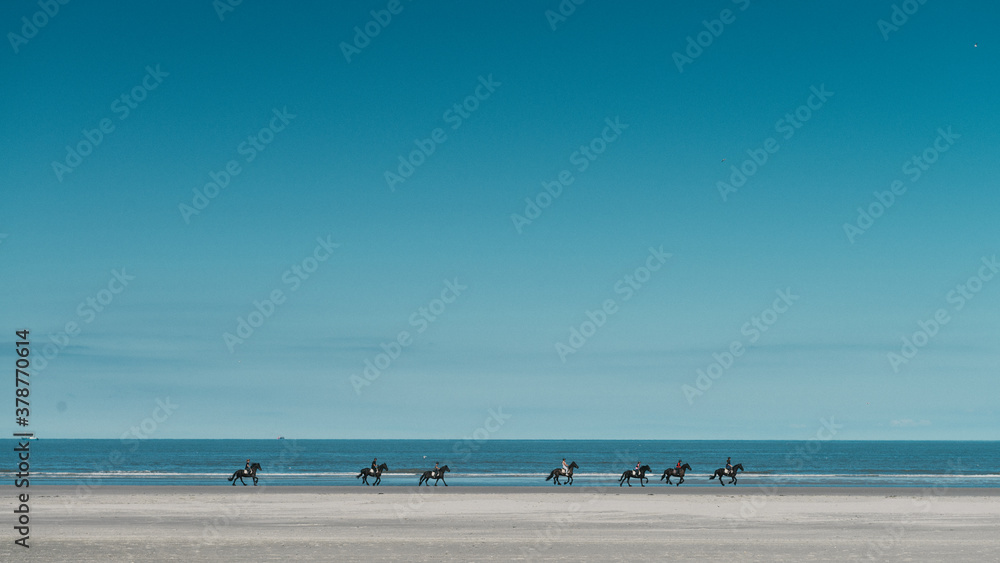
201, 90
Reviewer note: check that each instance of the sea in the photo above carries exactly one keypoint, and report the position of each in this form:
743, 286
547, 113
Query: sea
486, 463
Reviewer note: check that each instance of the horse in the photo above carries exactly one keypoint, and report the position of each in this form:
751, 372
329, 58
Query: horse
436, 475
721, 472
673, 471
558, 472
241, 473
369, 472
627, 476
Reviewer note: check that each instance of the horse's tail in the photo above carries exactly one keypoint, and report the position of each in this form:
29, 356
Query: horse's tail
233, 476
549, 478
712, 477
358, 476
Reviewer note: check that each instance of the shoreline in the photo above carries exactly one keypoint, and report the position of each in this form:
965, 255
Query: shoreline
728, 490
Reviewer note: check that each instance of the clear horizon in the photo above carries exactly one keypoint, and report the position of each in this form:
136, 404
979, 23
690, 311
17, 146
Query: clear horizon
406, 220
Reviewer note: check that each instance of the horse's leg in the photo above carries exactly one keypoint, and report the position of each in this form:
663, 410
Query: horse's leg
443, 481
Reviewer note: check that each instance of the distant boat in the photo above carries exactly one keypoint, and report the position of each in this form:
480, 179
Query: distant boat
281, 437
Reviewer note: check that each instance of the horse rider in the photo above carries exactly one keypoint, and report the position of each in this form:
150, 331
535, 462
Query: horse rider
565, 468
375, 466
678, 465
636, 470
434, 473
247, 467
729, 465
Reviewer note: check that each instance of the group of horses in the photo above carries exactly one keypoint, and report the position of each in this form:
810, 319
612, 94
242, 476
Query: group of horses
554, 476
640, 474
425, 478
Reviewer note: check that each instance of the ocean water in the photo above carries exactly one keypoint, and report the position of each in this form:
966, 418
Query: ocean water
510, 462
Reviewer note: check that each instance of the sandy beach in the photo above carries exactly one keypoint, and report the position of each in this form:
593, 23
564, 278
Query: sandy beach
505, 524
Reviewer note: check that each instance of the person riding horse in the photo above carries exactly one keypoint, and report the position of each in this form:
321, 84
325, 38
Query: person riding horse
375, 465
565, 468
434, 472
636, 470
247, 468
729, 465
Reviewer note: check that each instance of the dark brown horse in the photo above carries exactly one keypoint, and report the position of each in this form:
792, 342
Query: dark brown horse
369, 472
721, 472
436, 475
627, 476
241, 473
558, 472
674, 472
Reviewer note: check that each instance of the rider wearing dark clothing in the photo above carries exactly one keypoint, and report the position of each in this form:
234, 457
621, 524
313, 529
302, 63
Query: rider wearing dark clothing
247, 468
729, 466
375, 465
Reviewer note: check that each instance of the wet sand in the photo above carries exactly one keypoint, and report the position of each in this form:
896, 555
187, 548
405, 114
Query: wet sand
116, 523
